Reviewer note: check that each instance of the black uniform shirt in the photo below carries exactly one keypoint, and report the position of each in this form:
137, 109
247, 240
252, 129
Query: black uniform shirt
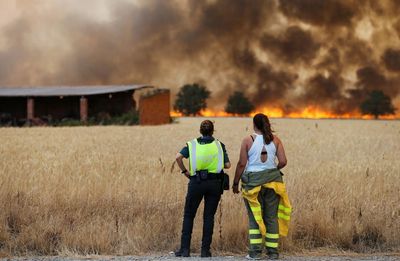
205, 140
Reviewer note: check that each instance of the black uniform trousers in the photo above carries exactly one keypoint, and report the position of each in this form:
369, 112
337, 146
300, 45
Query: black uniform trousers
210, 190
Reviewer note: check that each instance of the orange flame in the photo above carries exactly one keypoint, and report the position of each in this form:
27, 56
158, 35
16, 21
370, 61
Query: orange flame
175, 114
309, 112
204, 113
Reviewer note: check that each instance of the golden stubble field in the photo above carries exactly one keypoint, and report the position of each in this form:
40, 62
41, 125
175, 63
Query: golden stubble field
115, 190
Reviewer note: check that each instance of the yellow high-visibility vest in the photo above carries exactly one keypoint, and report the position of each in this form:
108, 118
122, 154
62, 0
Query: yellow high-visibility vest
205, 157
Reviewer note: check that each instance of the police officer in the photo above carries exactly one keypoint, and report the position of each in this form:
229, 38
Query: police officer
207, 158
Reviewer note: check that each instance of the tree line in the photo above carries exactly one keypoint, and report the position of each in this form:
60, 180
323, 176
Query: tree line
192, 98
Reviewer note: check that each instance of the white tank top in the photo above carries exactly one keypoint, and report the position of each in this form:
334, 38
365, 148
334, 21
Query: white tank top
254, 162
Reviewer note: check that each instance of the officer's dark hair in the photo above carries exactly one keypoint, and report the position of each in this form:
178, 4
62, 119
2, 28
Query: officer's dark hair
207, 128
262, 123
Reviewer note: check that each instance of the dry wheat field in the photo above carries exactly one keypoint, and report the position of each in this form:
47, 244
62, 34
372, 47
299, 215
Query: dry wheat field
115, 190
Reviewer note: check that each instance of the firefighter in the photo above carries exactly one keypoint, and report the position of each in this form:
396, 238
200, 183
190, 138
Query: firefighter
263, 190
207, 159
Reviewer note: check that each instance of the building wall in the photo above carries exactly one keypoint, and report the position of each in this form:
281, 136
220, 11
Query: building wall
154, 108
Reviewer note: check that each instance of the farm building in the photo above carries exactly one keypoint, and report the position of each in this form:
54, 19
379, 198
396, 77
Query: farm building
37, 104
154, 107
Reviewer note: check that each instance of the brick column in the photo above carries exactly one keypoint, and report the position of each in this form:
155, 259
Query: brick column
84, 109
133, 100
30, 109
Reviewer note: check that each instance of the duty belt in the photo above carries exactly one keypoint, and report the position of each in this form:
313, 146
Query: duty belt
210, 176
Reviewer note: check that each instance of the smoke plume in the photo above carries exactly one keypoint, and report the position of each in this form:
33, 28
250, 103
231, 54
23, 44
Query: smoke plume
391, 59
283, 53
294, 45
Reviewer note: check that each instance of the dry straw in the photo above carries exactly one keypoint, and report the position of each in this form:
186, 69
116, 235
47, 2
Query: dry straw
115, 190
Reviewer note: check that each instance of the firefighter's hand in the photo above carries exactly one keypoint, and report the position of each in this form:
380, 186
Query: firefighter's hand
235, 188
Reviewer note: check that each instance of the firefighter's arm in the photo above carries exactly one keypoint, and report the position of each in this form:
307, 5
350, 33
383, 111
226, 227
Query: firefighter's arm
280, 154
241, 165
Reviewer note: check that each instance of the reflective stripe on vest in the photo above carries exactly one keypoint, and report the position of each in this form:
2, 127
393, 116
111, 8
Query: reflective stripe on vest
205, 156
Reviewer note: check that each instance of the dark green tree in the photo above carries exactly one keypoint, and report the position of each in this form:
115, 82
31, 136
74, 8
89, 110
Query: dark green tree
238, 104
191, 99
377, 104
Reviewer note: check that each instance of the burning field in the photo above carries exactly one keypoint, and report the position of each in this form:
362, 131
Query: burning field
292, 58
115, 190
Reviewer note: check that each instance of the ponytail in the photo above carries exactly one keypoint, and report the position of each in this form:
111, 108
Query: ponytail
262, 123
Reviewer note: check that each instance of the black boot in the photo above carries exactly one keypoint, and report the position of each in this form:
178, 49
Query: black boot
206, 253
273, 256
182, 253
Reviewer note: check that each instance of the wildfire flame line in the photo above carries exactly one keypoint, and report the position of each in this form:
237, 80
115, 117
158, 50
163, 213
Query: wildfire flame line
309, 112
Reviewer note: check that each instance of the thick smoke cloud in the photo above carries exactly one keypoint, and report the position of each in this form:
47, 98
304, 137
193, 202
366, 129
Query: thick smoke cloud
245, 59
285, 53
323, 89
331, 61
321, 13
295, 44
391, 58
371, 77
272, 85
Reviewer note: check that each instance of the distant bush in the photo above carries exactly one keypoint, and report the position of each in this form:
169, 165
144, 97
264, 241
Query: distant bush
239, 104
6, 119
67, 123
191, 99
129, 118
104, 119
377, 104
